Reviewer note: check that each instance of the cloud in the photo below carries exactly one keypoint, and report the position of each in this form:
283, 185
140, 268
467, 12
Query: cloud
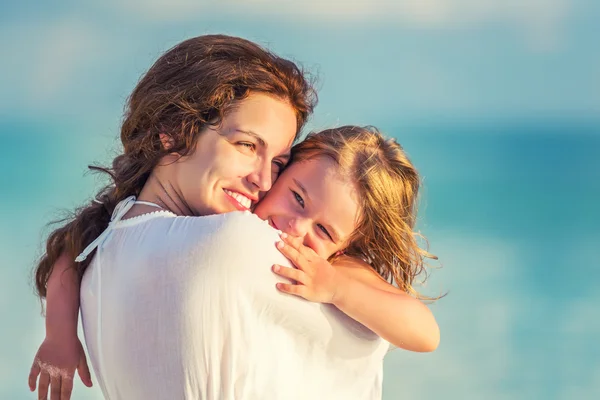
53, 63
42, 64
432, 13
57, 58
539, 20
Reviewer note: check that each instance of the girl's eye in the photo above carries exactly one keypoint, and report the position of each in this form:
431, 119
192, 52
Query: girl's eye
324, 230
299, 199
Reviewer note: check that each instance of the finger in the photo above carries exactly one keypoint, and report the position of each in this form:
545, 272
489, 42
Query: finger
297, 243
84, 371
55, 387
66, 388
290, 273
33, 375
296, 290
43, 385
294, 241
291, 254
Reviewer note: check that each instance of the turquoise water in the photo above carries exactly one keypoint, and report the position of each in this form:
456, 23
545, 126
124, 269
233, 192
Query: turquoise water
511, 209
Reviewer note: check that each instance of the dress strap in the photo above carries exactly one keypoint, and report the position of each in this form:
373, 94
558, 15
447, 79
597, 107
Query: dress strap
120, 210
147, 203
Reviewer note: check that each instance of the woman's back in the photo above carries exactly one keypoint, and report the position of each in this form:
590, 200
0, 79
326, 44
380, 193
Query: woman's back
186, 307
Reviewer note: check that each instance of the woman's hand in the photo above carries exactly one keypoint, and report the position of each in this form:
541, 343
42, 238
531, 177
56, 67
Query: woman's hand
315, 278
55, 363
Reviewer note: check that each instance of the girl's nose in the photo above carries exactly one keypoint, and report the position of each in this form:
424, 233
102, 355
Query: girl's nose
298, 227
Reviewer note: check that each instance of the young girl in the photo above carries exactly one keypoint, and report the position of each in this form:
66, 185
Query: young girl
383, 187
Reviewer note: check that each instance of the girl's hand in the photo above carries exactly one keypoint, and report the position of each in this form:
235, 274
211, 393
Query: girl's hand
315, 278
55, 363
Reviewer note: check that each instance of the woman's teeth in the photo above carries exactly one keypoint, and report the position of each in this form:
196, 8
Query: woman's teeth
243, 200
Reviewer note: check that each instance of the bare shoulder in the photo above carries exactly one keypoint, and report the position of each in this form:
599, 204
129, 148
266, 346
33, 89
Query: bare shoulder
360, 270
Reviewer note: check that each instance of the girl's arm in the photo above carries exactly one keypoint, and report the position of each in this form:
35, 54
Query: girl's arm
389, 312
61, 352
62, 299
357, 290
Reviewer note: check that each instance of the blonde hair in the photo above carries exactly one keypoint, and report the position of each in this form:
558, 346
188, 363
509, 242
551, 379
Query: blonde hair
388, 186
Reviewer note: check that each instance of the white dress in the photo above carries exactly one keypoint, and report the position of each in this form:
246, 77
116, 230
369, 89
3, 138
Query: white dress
186, 308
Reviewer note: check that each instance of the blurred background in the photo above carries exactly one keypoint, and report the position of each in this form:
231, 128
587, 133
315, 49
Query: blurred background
497, 103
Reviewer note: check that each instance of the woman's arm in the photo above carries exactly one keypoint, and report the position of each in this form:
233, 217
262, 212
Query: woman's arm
357, 290
61, 352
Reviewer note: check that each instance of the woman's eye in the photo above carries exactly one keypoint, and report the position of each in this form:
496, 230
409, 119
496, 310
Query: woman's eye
248, 145
278, 166
324, 230
299, 199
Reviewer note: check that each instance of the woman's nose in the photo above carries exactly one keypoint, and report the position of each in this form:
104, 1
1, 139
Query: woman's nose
262, 176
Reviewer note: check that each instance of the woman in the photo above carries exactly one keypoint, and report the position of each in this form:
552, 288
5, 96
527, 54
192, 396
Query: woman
185, 183
190, 87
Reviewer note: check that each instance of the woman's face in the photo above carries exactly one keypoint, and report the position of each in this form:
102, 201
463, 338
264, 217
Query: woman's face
311, 200
234, 162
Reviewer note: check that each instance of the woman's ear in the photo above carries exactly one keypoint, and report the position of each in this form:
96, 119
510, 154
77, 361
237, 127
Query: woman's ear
166, 141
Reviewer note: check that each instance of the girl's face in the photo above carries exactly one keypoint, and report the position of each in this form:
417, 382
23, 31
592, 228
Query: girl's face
234, 162
311, 200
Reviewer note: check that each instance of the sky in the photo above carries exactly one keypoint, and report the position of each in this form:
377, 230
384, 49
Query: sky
496, 102
488, 59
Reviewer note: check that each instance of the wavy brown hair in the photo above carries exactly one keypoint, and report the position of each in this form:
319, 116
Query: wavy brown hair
388, 187
191, 86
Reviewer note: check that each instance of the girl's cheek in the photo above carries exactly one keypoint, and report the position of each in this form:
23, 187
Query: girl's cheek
288, 207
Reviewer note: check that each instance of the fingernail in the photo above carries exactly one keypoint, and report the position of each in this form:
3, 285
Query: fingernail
283, 235
275, 268
280, 245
